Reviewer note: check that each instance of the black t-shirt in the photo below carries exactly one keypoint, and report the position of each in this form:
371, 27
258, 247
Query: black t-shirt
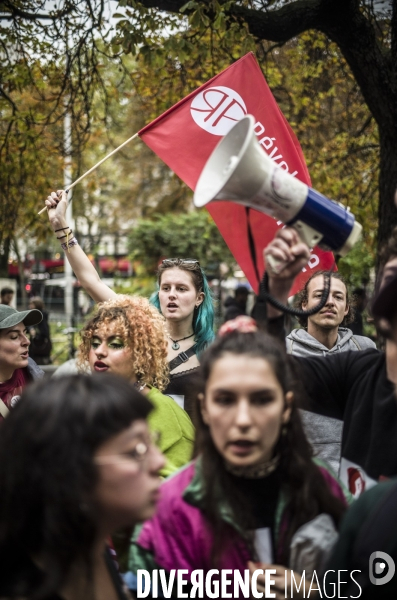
353, 387
184, 384
262, 496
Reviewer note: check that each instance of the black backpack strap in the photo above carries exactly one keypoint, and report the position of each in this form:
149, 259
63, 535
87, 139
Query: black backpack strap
182, 357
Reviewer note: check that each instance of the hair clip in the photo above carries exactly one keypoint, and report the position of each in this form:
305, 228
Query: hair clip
242, 324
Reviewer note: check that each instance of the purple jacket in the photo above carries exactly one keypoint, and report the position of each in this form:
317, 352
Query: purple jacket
178, 537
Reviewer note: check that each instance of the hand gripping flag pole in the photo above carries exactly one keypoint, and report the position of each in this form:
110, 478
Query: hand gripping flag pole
96, 166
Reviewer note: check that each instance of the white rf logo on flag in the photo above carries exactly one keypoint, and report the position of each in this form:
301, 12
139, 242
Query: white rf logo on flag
217, 109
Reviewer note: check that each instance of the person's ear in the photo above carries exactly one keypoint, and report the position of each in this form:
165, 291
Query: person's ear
347, 309
289, 398
200, 299
203, 409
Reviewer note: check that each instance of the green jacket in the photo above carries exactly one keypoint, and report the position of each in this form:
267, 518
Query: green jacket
175, 428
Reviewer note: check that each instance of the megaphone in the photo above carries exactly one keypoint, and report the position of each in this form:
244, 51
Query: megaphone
239, 170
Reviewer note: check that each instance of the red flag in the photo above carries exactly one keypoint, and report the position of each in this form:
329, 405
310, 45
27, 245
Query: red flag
186, 134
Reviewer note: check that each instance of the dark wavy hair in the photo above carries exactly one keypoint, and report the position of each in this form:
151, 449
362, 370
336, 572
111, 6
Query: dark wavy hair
303, 295
301, 480
47, 474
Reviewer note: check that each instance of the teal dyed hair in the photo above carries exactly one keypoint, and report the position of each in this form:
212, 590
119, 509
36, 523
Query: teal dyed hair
203, 318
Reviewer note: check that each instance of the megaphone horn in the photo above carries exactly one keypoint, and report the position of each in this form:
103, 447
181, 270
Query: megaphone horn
239, 170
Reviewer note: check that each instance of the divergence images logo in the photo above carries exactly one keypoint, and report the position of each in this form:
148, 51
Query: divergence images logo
381, 564
217, 109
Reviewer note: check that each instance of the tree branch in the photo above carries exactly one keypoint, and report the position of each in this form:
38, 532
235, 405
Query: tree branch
17, 12
355, 34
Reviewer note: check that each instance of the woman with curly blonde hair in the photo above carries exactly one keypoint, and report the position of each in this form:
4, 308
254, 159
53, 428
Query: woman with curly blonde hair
127, 337
183, 297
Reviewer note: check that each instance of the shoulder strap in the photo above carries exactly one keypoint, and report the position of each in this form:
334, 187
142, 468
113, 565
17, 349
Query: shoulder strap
4, 410
182, 357
353, 339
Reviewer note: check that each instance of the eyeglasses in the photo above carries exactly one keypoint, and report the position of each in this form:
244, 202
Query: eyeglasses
172, 262
139, 453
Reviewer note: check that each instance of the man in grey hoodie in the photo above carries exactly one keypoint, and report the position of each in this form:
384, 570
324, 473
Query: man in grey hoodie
325, 334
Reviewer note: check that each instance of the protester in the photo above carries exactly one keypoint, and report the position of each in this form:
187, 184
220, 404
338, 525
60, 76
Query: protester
356, 387
254, 486
40, 338
184, 298
325, 333
238, 305
370, 525
126, 337
16, 368
82, 465
6, 296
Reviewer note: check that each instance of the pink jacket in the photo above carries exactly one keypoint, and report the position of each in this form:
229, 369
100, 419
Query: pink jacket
177, 537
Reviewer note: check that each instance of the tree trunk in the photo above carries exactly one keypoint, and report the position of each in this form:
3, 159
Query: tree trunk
387, 186
4, 255
21, 271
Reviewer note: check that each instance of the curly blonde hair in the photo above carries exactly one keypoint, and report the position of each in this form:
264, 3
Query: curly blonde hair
142, 329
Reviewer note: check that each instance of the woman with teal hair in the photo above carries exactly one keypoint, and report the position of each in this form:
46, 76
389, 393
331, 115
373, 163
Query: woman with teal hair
184, 299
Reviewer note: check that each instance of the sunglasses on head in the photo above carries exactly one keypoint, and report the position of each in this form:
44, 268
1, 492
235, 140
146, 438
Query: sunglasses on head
169, 262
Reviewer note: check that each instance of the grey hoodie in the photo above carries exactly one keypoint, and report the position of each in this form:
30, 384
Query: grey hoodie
324, 433
301, 343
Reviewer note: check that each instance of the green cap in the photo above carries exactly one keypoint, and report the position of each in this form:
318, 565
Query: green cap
10, 317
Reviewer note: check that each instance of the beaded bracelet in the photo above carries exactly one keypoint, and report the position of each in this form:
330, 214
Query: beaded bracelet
68, 245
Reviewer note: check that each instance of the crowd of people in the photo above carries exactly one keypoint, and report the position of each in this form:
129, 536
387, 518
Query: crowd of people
247, 452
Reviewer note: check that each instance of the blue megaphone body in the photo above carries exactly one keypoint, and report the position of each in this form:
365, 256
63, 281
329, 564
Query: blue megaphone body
239, 170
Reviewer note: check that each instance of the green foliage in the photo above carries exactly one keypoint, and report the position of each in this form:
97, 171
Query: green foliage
191, 235
357, 266
141, 284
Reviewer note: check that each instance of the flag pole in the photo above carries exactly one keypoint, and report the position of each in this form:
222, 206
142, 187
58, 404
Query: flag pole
95, 166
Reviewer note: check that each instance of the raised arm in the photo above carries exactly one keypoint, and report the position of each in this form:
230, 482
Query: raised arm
288, 248
79, 261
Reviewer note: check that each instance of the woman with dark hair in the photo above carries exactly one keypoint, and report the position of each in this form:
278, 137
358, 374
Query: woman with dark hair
17, 369
254, 493
82, 466
184, 298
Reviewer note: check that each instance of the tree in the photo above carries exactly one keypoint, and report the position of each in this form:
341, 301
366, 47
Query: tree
134, 183
190, 235
366, 39
50, 65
